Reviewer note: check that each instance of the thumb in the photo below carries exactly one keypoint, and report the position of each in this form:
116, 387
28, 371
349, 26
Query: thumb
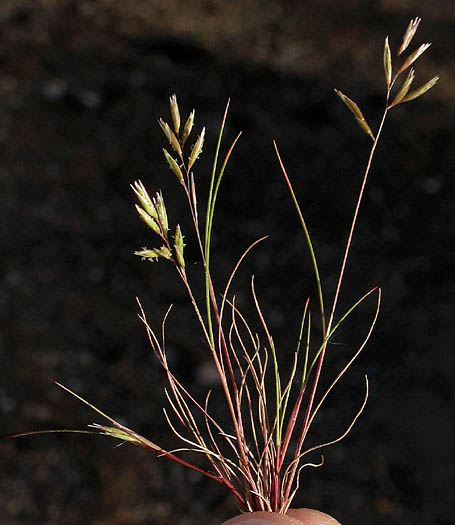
293, 517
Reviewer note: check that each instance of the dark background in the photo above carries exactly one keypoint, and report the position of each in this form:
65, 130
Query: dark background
81, 86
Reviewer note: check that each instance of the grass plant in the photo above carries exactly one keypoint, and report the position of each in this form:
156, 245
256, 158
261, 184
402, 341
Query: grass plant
260, 457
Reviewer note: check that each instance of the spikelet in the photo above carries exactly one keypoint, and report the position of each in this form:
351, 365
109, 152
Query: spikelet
197, 149
158, 202
356, 112
173, 140
154, 254
409, 35
174, 166
387, 62
421, 90
404, 88
175, 113
413, 57
150, 221
144, 199
188, 127
178, 245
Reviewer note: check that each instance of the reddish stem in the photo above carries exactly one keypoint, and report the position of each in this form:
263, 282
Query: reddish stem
305, 425
275, 488
290, 429
219, 479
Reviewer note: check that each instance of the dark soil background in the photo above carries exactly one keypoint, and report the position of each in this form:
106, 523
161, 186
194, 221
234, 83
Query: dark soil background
81, 87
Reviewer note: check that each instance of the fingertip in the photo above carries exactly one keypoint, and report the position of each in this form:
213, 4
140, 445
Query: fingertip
312, 517
263, 518
293, 517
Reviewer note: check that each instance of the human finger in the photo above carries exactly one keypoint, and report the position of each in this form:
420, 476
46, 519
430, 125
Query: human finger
293, 517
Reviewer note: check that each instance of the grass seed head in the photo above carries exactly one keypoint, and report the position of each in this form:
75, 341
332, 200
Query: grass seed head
154, 254
188, 127
166, 129
175, 113
413, 57
173, 140
174, 166
404, 88
387, 62
178, 245
144, 199
421, 90
354, 108
409, 35
150, 221
158, 201
197, 149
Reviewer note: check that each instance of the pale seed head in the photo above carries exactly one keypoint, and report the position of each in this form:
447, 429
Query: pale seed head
354, 108
421, 90
158, 201
117, 433
166, 129
409, 35
150, 221
154, 254
188, 127
387, 62
174, 166
178, 245
197, 149
173, 140
413, 57
175, 112
404, 88
144, 199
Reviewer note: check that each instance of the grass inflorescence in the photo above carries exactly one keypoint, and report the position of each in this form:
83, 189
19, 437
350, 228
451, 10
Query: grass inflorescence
260, 456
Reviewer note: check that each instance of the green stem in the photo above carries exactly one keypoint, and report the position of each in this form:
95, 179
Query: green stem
208, 227
308, 240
